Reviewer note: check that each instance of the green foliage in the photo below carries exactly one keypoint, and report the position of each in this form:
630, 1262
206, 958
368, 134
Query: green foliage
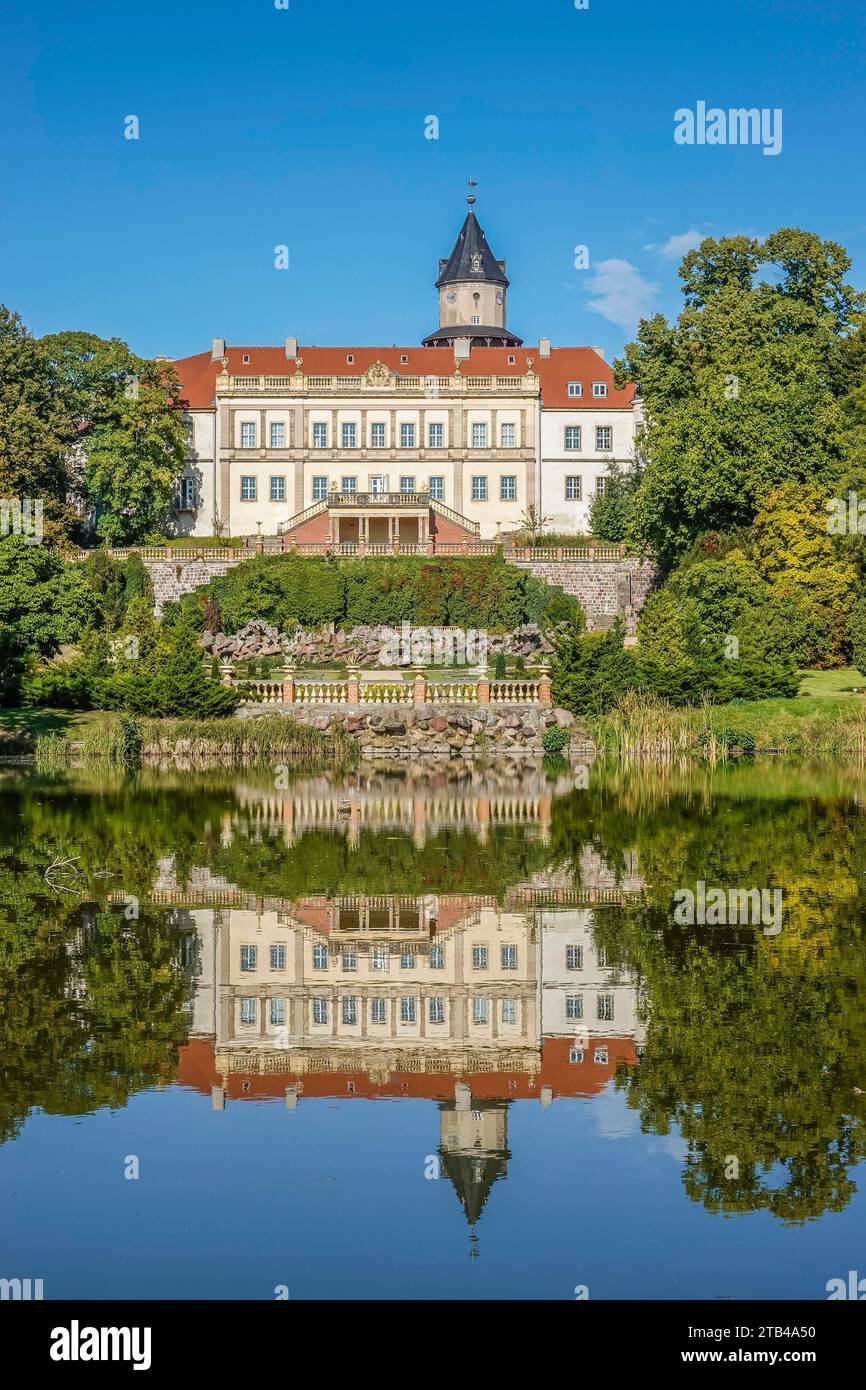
610, 511
499, 667
36, 428
592, 671
291, 591
116, 583
160, 672
858, 634
43, 604
555, 740
743, 392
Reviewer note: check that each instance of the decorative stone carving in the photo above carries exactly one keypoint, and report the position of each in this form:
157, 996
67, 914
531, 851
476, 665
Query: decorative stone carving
378, 375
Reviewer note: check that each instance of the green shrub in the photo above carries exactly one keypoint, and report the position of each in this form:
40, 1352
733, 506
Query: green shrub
499, 667
592, 671
555, 740
858, 635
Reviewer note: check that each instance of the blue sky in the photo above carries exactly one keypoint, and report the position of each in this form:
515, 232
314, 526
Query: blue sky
305, 127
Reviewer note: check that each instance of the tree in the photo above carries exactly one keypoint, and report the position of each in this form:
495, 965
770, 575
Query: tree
36, 428
742, 392
44, 603
609, 511
131, 433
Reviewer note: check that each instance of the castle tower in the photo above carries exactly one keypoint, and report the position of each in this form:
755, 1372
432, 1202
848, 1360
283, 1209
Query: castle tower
472, 287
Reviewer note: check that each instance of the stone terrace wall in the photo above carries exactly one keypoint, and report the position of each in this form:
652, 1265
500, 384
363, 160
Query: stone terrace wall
606, 588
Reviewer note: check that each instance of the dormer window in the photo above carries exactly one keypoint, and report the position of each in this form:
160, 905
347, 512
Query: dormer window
511, 359
475, 261
246, 359
599, 388
350, 357
404, 358
575, 388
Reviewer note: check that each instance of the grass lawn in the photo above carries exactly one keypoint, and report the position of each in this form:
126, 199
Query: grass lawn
19, 727
824, 684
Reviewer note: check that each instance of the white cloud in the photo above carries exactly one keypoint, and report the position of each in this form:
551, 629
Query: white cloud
676, 246
621, 294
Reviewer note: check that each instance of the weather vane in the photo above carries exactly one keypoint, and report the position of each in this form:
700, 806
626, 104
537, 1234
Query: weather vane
471, 196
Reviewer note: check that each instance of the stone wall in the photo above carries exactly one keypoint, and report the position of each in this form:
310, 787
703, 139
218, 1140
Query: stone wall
606, 588
452, 732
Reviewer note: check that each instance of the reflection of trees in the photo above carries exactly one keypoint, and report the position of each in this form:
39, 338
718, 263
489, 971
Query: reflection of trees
754, 1043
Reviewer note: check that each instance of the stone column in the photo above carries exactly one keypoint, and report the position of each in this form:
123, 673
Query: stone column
354, 684
420, 692
544, 695
289, 687
484, 687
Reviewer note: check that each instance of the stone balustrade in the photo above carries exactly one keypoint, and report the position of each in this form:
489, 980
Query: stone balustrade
367, 688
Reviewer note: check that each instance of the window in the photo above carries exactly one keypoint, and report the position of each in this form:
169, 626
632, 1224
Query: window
246, 359
572, 436
350, 1008
601, 486
408, 959
509, 1011
574, 1006
507, 436
278, 489
248, 435
575, 1055
479, 957
278, 434
603, 437
320, 957
379, 1010
508, 488
404, 357
320, 435
575, 388
407, 436
599, 388
320, 489
278, 957
407, 483
437, 957
437, 488
350, 357
511, 359
248, 1010
349, 961
600, 1057
480, 1009
476, 318
572, 488
278, 1011
379, 958
377, 484
574, 957
377, 436
350, 436
407, 1008
186, 501
248, 489
605, 1008
249, 955
320, 1010
436, 1012
435, 436
508, 957
601, 956
479, 436
349, 485
479, 489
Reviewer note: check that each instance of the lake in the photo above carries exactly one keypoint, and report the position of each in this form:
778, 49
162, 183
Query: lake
414, 1034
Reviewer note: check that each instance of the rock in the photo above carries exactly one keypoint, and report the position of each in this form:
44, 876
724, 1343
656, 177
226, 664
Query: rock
564, 718
439, 724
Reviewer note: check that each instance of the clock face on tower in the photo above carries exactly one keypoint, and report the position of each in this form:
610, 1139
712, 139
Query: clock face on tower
499, 296
451, 297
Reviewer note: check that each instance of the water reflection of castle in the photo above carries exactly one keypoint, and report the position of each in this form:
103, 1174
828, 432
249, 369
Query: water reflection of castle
452, 999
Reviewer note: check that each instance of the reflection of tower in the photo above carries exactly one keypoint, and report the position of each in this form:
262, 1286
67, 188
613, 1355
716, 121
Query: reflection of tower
473, 1147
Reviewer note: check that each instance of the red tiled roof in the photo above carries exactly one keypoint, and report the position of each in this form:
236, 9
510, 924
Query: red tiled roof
198, 374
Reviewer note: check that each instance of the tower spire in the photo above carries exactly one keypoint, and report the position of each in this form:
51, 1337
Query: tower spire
470, 197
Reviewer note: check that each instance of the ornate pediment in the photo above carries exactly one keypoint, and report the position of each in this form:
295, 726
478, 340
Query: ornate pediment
378, 375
